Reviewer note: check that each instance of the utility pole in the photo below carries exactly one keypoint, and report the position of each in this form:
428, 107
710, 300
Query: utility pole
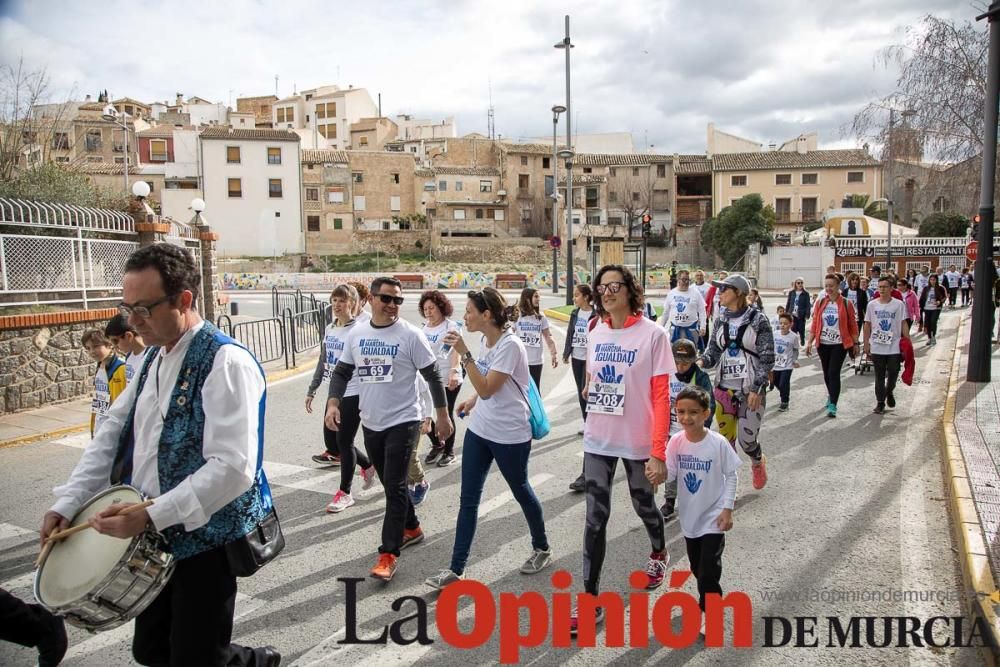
888, 205
570, 240
981, 336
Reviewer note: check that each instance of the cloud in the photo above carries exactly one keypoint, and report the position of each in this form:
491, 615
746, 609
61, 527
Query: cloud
766, 69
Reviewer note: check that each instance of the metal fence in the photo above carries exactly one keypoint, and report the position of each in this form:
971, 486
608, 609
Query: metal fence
295, 301
305, 329
279, 338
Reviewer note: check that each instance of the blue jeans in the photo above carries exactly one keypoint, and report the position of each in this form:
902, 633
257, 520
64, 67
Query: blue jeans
477, 457
690, 333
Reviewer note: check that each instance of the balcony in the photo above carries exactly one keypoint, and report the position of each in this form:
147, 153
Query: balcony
795, 217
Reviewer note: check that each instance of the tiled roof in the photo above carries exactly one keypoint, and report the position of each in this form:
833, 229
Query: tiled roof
620, 160
424, 173
129, 100
530, 149
241, 134
323, 157
851, 157
102, 168
467, 171
699, 166
158, 132
585, 179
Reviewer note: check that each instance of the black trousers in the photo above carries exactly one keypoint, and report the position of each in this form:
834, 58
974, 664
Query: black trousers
930, 322
342, 441
536, 374
799, 327
705, 558
783, 381
23, 623
580, 376
966, 292
952, 295
831, 358
449, 444
191, 621
390, 452
886, 374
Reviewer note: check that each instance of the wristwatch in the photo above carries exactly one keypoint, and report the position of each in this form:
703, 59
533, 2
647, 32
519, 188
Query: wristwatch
467, 358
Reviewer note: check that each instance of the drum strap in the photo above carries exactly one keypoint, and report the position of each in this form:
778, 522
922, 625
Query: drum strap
121, 469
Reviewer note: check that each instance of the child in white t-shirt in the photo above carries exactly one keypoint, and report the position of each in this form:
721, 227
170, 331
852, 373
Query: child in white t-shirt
705, 464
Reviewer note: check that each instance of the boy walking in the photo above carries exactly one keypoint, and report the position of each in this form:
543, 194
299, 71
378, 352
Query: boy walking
885, 325
126, 340
786, 357
109, 378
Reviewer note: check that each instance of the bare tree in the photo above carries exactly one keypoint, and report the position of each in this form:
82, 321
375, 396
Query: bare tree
941, 87
632, 194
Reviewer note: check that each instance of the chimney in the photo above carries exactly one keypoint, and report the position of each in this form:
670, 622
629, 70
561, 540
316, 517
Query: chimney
87, 99
801, 145
180, 99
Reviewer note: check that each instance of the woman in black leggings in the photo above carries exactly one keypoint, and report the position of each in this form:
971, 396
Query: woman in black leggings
575, 351
835, 332
932, 300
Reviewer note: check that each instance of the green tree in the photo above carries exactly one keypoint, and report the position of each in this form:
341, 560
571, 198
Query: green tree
730, 233
944, 224
57, 183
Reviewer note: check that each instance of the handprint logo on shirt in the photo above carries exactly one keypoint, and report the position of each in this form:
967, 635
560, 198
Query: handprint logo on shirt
884, 325
692, 482
607, 375
681, 306
830, 319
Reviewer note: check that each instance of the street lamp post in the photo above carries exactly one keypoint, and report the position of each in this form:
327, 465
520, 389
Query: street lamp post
567, 45
556, 110
111, 114
888, 205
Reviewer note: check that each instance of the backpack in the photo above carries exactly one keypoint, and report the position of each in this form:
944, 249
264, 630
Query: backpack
739, 337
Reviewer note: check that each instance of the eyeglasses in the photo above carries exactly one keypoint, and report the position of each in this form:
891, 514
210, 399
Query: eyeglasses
614, 287
388, 298
127, 309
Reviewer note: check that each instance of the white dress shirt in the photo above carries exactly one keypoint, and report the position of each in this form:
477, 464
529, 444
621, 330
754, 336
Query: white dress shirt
230, 397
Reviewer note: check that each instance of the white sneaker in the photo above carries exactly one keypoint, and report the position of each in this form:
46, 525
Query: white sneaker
340, 502
369, 477
442, 579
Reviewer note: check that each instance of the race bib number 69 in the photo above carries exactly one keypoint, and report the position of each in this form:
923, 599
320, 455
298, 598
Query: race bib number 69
375, 369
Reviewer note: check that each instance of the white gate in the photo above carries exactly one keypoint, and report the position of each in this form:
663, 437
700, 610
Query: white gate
783, 264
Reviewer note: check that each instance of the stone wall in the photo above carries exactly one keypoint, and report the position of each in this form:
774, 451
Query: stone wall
44, 365
496, 251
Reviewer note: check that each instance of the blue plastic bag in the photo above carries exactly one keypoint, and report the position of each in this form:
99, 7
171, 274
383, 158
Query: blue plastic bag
538, 419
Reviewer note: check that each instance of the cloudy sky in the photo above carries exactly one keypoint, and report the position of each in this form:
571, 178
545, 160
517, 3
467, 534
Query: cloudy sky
661, 69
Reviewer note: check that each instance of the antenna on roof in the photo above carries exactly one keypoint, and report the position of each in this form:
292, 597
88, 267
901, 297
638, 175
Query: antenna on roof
491, 128
276, 86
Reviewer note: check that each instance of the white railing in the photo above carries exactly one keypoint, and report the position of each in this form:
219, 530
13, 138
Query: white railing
904, 242
52, 214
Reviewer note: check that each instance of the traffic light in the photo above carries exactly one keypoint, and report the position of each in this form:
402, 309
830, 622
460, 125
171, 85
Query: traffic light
646, 226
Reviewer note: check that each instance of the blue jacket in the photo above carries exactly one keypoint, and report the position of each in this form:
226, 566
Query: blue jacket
804, 304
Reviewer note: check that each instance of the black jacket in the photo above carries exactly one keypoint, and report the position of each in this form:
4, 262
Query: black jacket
568, 347
862, 302
805, 311
942, 295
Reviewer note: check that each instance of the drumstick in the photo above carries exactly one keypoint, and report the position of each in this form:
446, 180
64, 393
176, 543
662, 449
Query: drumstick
62, 534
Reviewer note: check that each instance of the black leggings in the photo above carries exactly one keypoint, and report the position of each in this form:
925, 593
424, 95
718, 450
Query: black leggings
580, 375
342, 442
705, 560
536, 374
832, 357
931, 322
449, 444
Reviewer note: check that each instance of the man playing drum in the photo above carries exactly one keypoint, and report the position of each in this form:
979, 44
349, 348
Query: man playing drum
186, 433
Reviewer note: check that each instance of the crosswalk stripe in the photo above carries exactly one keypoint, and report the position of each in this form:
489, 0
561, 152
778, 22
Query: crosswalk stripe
9, 530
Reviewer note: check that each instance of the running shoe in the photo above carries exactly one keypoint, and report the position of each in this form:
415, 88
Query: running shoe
656, 569
385, 567
578, 484
879, 409
369, 477
340, 502
580, 432
783, 407
667, 509
327, 459
412, 536
758, 471
890, 400
537, 561
432, 456
419, 492
574, 619
442, 579
831, 410
446, 460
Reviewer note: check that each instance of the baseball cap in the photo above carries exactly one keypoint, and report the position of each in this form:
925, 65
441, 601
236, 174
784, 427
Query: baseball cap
736, 281
684, 351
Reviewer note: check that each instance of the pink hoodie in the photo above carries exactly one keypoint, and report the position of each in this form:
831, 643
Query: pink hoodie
912, 305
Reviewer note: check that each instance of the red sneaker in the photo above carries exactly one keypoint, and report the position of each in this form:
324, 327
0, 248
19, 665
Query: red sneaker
759, 472
656, 569
411, 537
385, 567
327, 459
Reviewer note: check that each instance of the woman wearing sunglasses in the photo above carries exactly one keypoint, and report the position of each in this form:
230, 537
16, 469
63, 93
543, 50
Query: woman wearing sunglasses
629, 362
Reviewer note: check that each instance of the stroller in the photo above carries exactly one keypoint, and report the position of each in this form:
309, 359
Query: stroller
863, 363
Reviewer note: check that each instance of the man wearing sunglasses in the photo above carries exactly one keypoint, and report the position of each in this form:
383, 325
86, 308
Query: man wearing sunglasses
798, 306
386, 353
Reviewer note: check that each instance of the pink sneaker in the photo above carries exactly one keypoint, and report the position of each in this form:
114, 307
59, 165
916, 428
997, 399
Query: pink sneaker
759, 473
369, 477
656, 569
340, 502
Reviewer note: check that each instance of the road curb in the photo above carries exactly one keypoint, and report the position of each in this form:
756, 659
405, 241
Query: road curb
556, 315
79, 428
967, 528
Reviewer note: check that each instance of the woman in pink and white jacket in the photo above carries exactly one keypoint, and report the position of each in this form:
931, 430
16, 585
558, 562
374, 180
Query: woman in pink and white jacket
911, 301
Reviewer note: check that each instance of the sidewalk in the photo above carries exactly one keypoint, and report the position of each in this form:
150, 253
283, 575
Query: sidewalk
972, 468
53, 421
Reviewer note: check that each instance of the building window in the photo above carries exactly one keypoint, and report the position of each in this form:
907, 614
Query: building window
233, 154
458, 186
312, 194
60, 141
612, 172
338, 223
523, 181
587, 170
235, 187
413, 149
855, 177
62, 160
327, 110
273, 155
635, 196
329, 130
459, 214
312, 223
363, 141
479, 214
243, 121
157, 150
635, 171
395, 177
592, 197
661, 171
358, 176
93, 140
393, 203
486, 186
274, 188
546, 162
810, 179
285, 114
782, 179
359, 203
429, 186
119, 160
738, 181
498, 214
443, 186
613, 197
95, 158
335, 196
524, 160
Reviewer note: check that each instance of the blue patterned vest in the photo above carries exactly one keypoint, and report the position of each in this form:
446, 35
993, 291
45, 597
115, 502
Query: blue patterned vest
180, 450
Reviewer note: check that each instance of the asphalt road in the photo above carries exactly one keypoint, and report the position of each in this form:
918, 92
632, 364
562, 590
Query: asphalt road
855, 507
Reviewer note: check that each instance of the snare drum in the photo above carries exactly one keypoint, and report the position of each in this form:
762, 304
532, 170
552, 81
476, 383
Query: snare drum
98, 582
